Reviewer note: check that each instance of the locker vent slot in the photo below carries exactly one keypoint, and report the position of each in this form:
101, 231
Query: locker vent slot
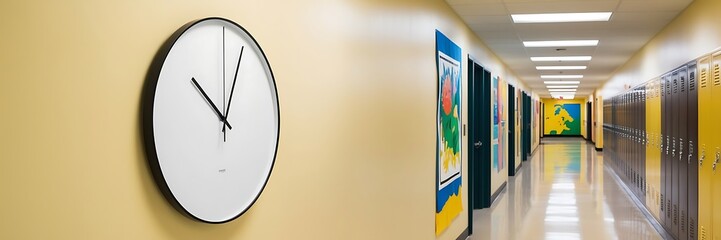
703, 233
704, 78
717, 74
683, 221
692, 82
692, 228
683, 84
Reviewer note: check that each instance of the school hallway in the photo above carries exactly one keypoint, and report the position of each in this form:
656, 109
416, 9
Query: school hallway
563, 192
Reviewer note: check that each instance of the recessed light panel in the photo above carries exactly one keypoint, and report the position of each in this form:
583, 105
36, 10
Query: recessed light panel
561, 67
562, 76
562, 82
562, 90
561, 17
570, 43
562, 86
561, 59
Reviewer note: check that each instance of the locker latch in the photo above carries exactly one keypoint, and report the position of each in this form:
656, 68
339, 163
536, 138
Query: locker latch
718, 155
680, 150
673, 149
703, 155
690, 152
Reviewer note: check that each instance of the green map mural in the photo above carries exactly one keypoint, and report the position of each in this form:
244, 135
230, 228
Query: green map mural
565, 119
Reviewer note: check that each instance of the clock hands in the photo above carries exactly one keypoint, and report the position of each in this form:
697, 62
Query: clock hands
226, 115
232, 88
220, 115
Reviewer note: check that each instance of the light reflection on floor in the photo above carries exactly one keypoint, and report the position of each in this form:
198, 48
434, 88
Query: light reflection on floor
563, 192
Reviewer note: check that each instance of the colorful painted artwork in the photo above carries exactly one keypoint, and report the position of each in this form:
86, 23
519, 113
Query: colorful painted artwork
498, 132
563, 119
448, 138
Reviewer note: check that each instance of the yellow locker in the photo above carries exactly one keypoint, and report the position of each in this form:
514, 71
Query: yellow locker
653, 153
705, 123
716, 173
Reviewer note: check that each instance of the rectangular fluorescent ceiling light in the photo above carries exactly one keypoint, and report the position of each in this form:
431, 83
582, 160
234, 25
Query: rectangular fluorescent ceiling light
561, 59
561, 17
562, 86
570, 43
562, 82
562, 76
560, 67
562, 90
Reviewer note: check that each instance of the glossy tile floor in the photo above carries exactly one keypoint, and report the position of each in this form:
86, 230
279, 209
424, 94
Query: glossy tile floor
563, 192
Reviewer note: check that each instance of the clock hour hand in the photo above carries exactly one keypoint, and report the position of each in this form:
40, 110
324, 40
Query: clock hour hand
232, 89
220, 115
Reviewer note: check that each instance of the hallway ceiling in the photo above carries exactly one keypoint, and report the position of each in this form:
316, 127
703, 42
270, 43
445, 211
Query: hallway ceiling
632, 25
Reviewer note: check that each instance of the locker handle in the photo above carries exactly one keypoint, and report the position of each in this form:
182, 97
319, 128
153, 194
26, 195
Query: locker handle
718, 155
690, 152
680, 151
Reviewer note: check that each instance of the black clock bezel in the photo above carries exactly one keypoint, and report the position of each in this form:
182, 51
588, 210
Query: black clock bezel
148, 102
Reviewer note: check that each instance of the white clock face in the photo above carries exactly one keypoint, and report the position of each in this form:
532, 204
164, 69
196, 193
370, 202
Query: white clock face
209, 169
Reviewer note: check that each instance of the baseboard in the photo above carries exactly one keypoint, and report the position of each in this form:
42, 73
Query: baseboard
464, 234
519, 167
498, 192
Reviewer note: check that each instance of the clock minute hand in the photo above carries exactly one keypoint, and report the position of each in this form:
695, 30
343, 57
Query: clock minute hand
220, 115
232, 88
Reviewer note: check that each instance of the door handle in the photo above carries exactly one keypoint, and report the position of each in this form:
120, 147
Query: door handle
478, 144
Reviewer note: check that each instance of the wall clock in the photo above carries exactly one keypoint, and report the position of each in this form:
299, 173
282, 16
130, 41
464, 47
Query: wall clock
211, 120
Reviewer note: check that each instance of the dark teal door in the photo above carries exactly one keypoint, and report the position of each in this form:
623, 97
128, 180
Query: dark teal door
511, 131
479, 137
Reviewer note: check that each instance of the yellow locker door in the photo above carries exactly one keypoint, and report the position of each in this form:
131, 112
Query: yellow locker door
653, 153
716, 182
705, 124
651, 173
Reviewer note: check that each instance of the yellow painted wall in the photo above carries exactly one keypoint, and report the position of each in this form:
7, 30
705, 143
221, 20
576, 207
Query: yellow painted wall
694, 33
357, 87
548, 112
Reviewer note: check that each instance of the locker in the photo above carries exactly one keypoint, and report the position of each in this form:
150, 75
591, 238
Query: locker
682, 138
663, 151
716, 146
657, 147
706, 125
692, 131
653, 170
641, 123
675, 176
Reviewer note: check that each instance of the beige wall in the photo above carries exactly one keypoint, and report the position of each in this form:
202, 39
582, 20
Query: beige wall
695, 32
357, 88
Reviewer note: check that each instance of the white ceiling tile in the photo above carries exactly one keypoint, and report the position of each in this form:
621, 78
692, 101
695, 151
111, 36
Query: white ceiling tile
652, 6
491, 27
561, 6
480, 9
487, 20
451, 2
631, 27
